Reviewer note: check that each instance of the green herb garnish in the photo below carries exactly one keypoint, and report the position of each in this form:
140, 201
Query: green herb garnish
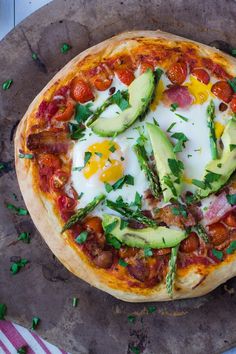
232, 147
82, 237
6, 84
181, 117
34, 56
148, 252
174, 106
123, 224
135, 350
76, 131
170, 127
75, 301
25, 156
131, 318
231, 198
122, 263
24, 236
182, 139
22, 350
65, 47
19, 211
3, 311
35, 322
16, 266
233, 83
180, 210
151, 309
217, 254
113, 241
176, 167
82, 112
231, 248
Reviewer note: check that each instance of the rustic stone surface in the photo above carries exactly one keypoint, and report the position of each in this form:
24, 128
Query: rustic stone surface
44, 287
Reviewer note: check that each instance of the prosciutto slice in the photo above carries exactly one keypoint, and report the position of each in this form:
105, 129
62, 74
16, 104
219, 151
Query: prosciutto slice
218, 209
178, 94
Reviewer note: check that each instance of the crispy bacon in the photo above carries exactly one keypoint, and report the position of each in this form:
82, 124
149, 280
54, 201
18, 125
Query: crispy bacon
49, 142
166, 215
218, 209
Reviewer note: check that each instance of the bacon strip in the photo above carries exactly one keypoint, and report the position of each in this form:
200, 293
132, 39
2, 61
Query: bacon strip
179, 95
218, 209
49, 142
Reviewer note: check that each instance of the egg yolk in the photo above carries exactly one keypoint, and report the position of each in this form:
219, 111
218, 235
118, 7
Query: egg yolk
219, 128
101, 162
199, 90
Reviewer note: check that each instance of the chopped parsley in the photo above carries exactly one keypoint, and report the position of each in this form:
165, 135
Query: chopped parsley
232, 147
82, 112
217, 254
112, 148
6, 84
174, 106
16, 266
110, 227
65, 47
182, 139
233, 83
3, 311
135, 350
131, 318
82, 237
22, 350
76, 131
231, 248
182, 117
126, 179
170, 127
122, 263
34, 56
87, 157
75, 301
99, 154
151, 309
121, 99
231, 198
35, 322
176, 166
113, 241
24, 236
198, 183
123, 224
158, 73
147, 252
180, 210
137, 200
19, 211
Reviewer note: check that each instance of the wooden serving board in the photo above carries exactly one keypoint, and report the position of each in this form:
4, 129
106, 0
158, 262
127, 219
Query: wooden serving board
44, 288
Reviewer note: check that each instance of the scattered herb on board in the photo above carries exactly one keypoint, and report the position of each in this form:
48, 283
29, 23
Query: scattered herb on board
65, 47
19, 211
3, 311
135, 350
75, 301
6, 84
131, 319
34, 56
24, 236
35, 322
151, 309
16, 266
22, 350
233, 52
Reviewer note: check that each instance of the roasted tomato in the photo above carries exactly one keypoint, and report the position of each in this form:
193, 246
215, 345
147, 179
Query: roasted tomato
49, 161
218, 233
202, 75
233, 104
81, 91
102, 83
65, 112
230, 219
161, 251
94, 224
190, 244
223, 91
66, 203
177, 73
126, 76
146, 66
58, 180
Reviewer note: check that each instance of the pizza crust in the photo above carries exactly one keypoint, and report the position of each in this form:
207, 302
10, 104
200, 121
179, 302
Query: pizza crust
195, 281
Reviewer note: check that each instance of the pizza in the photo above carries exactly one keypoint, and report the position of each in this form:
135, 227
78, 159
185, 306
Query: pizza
126, 163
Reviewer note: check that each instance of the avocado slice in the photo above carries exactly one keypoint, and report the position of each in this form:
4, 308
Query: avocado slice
168, 167
225, 165
160, 237
140, 95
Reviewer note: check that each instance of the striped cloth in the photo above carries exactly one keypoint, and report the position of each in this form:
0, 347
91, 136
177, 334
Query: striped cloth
13, 337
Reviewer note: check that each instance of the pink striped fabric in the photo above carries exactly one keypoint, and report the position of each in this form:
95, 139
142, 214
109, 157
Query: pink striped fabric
13, 337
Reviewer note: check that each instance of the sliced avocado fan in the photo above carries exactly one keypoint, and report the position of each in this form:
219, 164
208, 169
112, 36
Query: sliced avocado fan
140, 95
168, 167
217, 172
160, 237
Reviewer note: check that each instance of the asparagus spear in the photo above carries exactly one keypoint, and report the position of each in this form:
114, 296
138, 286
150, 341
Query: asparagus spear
211, 126
81, 213
151, 176
170, 277
124, 210
114, 99
202, 233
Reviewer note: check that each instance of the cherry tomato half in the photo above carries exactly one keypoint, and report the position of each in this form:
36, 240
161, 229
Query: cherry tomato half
223, 91
190, 244
233, 104
102, 83
58, 180
230, 219
65, 113
66, 203
81, 91
125, 75
94, 224
177, 73
218, 233
49, 160
201, 75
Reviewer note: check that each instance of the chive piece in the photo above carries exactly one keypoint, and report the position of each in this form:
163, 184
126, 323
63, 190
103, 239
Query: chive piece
174, 106
81, 213
22, 350
3, 311
87, 157
80, 195
108, 187
231, 198
82, 237
75, 301
182, 117
170, 277
82, 112
217, 254
148, 252
113, 241
198, 183
24, 236
182, 139
35, 322
202, 233
25, 156
6, 84
170, 127
123, 224
65, 47
135, 350
16, 266
122, 263
76, 131
211, 125
131, 318
34, 56
151, 309
112, 148
19, 211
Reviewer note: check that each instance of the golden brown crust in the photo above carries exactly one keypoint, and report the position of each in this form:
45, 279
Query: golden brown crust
191, 282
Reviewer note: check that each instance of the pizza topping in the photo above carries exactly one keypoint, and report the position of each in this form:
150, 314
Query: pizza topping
65, 112
202, 75
211, 125
102, 83
126, 76
218, 233
66, 203
7, 84
170, 277
179, 95
230, 219
49, 142
190, 244
177, 73
223, 91
233, 104
81, 91
172, 216
104, 259
58, 180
